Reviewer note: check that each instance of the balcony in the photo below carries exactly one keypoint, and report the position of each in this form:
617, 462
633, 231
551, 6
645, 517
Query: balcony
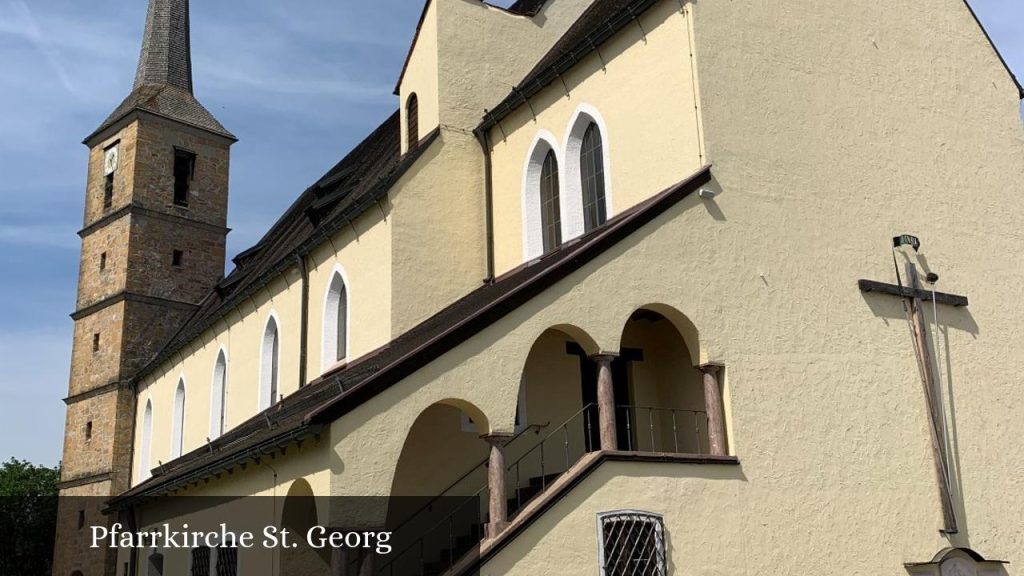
648, 401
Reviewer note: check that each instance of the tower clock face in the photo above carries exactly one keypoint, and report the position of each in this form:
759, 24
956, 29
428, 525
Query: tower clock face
110, 160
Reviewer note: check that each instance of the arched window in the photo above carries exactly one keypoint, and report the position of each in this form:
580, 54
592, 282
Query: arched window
592, 178
550, 211
147, 441
412, 120
335, 348
218, 396
178, 424
270, 359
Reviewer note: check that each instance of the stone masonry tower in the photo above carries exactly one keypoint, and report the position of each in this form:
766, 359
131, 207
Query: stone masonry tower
153, 246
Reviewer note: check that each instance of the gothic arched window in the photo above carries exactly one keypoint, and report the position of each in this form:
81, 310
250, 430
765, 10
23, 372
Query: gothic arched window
178, 424
550, 212
335, 348
218, 396
412, 120
592, 178
270, 359
147, 441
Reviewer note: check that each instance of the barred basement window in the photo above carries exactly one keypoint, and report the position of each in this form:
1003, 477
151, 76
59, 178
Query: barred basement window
184, 171
227, 562
632, 544
201, 561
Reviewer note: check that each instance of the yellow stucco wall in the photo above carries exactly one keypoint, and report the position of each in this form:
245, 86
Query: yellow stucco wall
437, 219
640, 92
421, 78
819, 162
362, 256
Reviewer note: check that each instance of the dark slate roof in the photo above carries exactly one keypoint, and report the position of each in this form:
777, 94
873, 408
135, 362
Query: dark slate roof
598, 23
336, 393
355, 184
163, 80
167, 101
527, 7
166, 57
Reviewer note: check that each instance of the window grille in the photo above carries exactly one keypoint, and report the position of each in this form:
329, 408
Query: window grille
595, 211
201, 561
551, 215
227, 562
632, 544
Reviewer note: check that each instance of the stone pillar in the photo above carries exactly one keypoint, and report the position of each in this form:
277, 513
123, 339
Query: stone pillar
606, 402
714, 408
368, 563
497, 505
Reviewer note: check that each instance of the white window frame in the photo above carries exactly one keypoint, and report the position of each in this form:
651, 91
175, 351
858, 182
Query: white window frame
572, 217
146, 444
329, 327
267, 363
219, 402
533, 224
178, 419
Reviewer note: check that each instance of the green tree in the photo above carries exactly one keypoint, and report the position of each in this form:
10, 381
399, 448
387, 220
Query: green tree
28, 518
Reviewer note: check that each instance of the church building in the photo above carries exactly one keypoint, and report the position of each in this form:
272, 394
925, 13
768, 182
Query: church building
655, 287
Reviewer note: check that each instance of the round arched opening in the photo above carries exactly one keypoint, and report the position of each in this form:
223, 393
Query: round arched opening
659, 392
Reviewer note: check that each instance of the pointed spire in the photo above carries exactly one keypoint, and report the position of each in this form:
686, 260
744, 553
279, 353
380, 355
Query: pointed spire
166, 57
163, 81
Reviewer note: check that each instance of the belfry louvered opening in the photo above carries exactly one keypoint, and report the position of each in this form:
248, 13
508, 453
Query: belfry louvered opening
632, 544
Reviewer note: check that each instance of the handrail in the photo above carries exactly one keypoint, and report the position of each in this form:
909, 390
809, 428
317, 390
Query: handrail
538, 427
548, 437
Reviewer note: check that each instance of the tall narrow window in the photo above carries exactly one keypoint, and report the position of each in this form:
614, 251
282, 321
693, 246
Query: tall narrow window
200, 561
108, 191
632, 543
412, 120
270, 358
335, 348
147, 441
110, 157
218, 396
551, 215
184, 170
227, 562
592, 176
178, 424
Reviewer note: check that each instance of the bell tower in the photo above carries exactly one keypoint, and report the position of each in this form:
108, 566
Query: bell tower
153, 246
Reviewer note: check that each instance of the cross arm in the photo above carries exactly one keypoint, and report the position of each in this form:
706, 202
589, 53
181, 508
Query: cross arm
906, 292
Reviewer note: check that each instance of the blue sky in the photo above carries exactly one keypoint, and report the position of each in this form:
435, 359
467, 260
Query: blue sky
298, 82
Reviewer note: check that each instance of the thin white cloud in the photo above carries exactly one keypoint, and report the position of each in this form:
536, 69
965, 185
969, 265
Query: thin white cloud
28, 28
